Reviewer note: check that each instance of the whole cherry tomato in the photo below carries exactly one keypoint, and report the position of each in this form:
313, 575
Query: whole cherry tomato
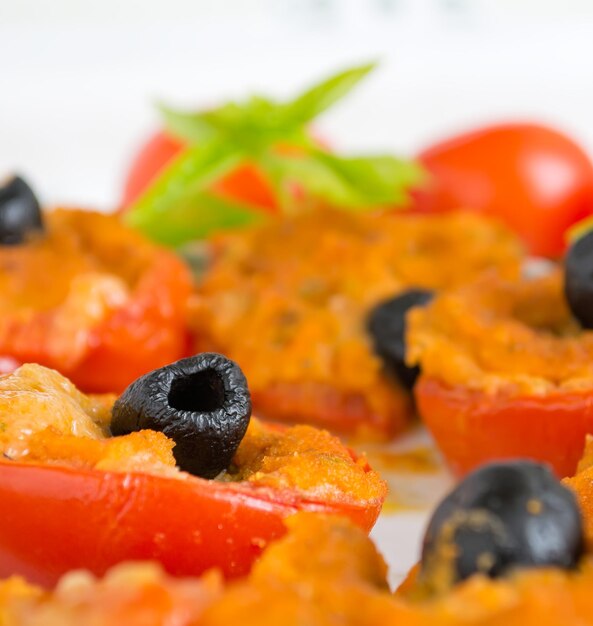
245, 184
534, 178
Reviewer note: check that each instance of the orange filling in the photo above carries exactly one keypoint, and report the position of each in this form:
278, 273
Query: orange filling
288, 301
70, 278
513, 337
307, 459
45, 419
76, 246
323, 572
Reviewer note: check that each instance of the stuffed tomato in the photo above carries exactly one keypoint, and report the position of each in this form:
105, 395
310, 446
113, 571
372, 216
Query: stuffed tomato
291, 301
173, 470
81, 293
507, 371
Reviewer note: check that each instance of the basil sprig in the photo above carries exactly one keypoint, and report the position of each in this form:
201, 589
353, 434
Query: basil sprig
180, 205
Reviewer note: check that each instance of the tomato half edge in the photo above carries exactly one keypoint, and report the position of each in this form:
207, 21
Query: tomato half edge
472, 427
349, 414
55, 519
148, 331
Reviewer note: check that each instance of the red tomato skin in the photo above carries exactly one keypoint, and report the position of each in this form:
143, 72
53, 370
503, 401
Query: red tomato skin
148, 332
245, 184
55, 519
534, 178
147, 163
346, 414
472, 427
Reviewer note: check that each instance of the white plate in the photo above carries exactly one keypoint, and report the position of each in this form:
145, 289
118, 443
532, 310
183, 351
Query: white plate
417, 481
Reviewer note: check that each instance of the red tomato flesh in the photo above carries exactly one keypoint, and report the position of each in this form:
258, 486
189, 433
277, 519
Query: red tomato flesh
473, 427
55, 519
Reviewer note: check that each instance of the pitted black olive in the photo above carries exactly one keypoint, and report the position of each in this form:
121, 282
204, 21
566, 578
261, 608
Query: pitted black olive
201, 402
578, 279
20, 213
503, 516
387, 326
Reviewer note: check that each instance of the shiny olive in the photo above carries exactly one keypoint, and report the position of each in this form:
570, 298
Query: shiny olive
20, 213
578, 279
387, 325
201, 402
503, 516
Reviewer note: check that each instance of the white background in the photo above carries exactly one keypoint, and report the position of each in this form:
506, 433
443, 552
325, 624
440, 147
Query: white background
77, 80
78, 77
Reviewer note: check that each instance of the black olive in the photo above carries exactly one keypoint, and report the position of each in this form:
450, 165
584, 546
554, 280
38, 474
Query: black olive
503, 516
20, 213
578, 279
201, 402
387, 326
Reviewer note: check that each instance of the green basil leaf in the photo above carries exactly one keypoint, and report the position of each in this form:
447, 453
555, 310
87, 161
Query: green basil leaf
378, 180
304, 172
239, 123
197, 217
255, 126
322, 96
358, 183
258, 123
192, 172
180, 206
192, 127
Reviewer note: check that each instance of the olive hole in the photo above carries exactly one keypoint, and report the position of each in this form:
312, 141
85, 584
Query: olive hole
202, 392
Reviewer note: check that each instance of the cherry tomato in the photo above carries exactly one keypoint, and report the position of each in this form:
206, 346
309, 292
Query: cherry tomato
245, 184
147, 331
472, 427
532, 177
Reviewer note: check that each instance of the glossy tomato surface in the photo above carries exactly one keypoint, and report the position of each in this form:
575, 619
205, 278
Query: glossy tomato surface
473, 427
55, 519
245, 184
534, 178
